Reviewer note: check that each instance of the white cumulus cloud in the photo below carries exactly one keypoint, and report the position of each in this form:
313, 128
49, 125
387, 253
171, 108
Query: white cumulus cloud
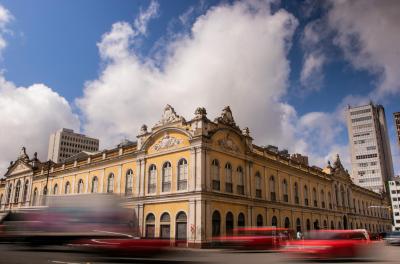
369, 34
235, 54
27, 116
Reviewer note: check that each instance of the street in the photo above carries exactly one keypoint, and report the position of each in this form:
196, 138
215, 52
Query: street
18, 254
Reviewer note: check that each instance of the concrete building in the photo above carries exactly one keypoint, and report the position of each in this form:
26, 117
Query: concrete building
195, 179
397, 125
65, 143
371, 158
394, 189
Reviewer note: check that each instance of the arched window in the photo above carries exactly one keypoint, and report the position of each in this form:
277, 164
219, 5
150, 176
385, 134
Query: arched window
325, 225
308, 225
285, 191
216, 224
67, 189
110, 183
80, 186
95, 184
26, 188
181, 226
35, 197
296, 193
298, 225
215, 175
241, 220
152, 179
322, 199
166, 177
305, 195
165, 224
55, 189
314, 194
274, 221
9, 191
258, 185
316, 225
330, 200
229, 223
240, 180
359, 207
333, 225
287, 222
129, 182
260, 221
182, 174
272, 188
228, 177
150, 225
17, 191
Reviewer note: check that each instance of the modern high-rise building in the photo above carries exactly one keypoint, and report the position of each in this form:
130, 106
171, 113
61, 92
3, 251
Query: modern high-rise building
394, 188
65, 143
397, 125
371, 158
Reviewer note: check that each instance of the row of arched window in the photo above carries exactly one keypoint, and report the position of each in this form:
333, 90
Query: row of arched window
165, 226
320, 199
229, 224
166, 177
10, 198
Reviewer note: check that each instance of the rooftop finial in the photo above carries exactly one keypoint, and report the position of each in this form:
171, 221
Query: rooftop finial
200, 112
226, 117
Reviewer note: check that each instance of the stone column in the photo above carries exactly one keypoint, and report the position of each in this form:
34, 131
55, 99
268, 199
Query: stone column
140, 218
138, 177
102, 181
200, 220
192, 171
119, 176
87, 182
247, 182
73, 184
191, 227
207, 172
250, 216
142, 177
201, 171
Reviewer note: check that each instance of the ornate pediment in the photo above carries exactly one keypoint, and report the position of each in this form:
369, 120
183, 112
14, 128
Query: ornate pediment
166, 142
228, 144
169, 116
18, 167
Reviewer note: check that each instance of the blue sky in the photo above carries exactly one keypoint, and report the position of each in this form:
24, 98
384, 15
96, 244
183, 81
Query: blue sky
66, 50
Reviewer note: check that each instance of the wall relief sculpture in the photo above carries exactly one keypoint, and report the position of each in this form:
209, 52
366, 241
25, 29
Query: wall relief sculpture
228, 144
166, 142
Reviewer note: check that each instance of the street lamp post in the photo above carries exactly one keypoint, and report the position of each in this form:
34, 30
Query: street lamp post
47, 179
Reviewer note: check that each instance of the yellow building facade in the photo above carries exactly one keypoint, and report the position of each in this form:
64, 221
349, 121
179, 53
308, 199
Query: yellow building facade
193, 180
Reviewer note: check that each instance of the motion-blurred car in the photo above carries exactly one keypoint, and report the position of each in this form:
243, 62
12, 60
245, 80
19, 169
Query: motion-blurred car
330, 244
128, 247
66, 219
254, 238
393, 238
